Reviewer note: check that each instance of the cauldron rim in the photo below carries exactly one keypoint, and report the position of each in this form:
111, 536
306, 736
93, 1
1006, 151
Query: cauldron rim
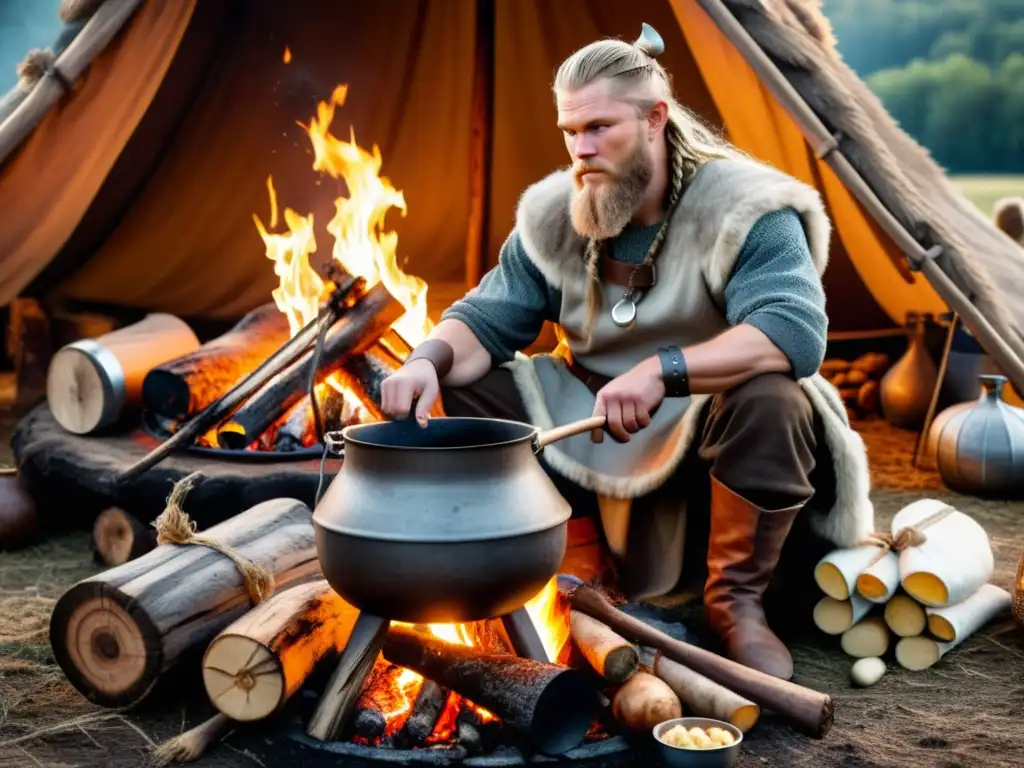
350, 434
428, 538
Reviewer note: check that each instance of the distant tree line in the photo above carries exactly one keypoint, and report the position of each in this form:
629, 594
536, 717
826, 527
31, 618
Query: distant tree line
950, 71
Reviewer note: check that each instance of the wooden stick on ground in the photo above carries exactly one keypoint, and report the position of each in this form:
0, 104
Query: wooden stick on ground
701, 696
260, 660
115, 633
612, 656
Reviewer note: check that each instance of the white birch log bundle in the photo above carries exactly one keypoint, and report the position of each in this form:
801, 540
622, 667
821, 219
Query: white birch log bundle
261, 659
922, 652
879, 581
962, 619
700, 695
836, 573
905, 616
91, 382
954, 560
833, 617
867, 638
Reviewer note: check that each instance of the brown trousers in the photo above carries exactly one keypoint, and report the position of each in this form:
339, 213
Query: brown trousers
762, 439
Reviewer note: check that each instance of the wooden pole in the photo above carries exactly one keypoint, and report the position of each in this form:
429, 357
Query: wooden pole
481, 130
922, 439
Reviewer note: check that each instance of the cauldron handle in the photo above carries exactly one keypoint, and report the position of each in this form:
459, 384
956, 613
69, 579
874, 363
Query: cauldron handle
595, 424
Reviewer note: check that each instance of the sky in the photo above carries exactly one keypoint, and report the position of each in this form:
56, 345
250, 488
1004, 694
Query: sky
24, 24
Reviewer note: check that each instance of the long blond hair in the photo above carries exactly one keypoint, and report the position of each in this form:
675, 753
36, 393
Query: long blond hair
641, 81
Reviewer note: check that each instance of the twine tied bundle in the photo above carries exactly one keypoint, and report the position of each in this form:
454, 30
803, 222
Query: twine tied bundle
174, 526
904, 538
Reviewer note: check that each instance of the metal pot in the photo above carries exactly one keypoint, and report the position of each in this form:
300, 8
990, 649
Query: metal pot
452, 522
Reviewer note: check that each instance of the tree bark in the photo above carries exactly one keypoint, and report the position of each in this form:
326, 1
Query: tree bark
115, 633
259, 661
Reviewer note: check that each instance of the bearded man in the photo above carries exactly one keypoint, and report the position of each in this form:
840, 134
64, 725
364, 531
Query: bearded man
685, 280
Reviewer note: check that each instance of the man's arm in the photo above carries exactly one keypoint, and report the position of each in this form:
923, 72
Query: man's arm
775, 303
497, 318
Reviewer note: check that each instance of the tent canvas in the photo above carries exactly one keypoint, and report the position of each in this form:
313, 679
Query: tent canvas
138, 187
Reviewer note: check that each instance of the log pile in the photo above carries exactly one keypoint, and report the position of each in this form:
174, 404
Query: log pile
858, 381
919, 591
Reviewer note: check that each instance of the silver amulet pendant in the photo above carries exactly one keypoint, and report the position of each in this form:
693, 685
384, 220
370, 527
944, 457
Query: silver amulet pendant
624, 311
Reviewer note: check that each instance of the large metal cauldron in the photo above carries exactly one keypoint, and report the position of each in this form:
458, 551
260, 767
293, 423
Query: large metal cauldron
453, 522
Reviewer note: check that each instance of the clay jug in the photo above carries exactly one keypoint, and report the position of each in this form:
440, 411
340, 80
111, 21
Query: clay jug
981, 448
906, 389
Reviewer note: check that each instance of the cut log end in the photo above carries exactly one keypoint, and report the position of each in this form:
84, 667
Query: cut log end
917, 653
905, 616
941, 627
872, 587
112, 656
926, 588
833, 617
243, 678
76, 391
746, 717
119, 537
831, 581
868, 638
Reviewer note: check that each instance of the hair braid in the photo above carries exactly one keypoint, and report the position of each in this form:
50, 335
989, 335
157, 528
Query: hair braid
678, 178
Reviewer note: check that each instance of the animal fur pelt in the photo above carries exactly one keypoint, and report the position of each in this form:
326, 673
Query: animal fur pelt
1009, 217
77, 10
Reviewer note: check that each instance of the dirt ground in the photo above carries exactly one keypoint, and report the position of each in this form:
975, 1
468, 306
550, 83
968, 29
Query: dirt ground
966, 711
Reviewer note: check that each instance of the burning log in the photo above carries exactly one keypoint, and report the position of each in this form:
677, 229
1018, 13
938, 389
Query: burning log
91, 383
552, 705
115, 633
258, 662
119, 537
188, 384
353, 334
613, 657
426, 711
380, 696
473, 733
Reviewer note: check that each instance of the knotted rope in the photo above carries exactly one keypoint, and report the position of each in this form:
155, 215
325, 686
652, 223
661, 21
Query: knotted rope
904, 538
173, 526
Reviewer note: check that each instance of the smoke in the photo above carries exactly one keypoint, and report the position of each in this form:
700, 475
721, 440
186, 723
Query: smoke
24, 24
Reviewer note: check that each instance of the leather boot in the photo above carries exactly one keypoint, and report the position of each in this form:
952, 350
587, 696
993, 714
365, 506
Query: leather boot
743, 550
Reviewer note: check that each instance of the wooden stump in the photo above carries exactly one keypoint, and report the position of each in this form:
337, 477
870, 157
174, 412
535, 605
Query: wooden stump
118, 537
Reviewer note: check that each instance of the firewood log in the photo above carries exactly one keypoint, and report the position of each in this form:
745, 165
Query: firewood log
115, 633
958, 622
833, 617
353, 334
426, 710
613, 657
118, 537
552, 705
258, 662
701, 696
869, 637
879, 581
644, 701
92, 383
186, 385
954, 560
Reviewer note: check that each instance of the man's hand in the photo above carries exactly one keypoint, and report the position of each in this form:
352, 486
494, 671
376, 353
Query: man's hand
628, 401
416, 379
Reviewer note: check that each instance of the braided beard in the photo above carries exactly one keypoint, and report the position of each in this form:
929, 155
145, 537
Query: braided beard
602, 211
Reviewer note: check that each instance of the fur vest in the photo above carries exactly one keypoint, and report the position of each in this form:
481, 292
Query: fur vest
686, 306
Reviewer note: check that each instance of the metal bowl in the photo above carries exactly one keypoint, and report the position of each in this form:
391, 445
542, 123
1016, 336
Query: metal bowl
715, 757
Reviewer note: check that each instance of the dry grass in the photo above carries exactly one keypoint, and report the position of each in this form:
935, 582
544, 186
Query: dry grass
967, 711
983, 191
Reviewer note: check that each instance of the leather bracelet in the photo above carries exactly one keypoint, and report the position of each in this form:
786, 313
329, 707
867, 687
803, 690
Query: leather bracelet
673, 372
438, 352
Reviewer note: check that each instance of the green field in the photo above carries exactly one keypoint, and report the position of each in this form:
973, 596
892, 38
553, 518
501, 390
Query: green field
983, 191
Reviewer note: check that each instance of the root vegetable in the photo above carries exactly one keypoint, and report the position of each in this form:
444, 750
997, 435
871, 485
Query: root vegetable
836, 573
833, 366
833, 617
880, 580
905, 616
954, 622
855, 377
868, 638
644, 701
868, 396
954, 560
868, 671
